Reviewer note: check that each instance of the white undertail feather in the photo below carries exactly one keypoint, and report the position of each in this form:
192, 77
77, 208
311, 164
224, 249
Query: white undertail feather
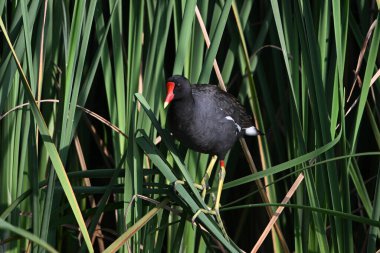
252, 131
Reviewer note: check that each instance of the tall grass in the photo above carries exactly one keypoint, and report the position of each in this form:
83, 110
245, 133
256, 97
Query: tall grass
86, 162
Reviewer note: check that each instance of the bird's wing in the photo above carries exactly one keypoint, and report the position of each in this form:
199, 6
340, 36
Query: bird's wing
232, 107
227, 103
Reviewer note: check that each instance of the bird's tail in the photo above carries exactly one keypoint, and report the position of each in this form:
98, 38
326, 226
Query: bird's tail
252, 131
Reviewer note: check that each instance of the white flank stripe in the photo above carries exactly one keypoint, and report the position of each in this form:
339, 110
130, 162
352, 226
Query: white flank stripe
237, 126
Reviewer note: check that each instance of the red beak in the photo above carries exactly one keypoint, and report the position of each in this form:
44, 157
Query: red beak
169, 93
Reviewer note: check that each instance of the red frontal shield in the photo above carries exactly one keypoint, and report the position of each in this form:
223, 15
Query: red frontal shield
169, 93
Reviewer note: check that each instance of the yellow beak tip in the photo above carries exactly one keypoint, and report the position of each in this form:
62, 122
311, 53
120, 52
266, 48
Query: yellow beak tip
166, 104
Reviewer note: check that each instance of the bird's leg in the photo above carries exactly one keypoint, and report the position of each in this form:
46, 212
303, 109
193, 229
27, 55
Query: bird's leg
204, 186
222, 174
207, 175
181, 182
215, 211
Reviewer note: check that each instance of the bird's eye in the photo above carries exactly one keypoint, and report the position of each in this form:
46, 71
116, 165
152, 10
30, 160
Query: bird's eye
178, 85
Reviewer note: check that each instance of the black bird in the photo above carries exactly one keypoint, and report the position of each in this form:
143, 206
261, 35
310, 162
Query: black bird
206, 119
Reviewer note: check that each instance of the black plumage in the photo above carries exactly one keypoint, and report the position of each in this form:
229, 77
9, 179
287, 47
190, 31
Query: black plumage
205, 118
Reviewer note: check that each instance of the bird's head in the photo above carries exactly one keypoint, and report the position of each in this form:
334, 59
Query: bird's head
177, 87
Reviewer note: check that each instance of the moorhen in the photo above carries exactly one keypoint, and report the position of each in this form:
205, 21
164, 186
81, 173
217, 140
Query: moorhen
208, 120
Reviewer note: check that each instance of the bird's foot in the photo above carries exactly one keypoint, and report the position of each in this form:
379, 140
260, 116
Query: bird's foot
215, 212
205, 211
181, 182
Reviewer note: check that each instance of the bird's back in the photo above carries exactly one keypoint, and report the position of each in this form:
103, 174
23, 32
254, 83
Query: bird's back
226, 103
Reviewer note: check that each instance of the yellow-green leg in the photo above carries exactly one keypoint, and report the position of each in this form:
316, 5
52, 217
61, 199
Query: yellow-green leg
181, 182
207, 175
222, 174
215, 211
204, 186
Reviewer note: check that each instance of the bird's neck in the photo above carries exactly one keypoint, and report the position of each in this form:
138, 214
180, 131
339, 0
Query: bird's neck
185, 104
